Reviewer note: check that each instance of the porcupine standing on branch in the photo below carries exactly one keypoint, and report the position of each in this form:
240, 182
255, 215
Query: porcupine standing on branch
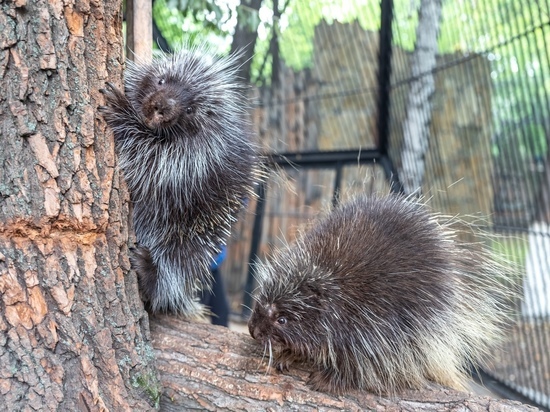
185, 150
379, 296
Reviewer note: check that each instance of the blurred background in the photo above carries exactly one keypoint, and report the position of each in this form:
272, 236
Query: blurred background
446, 100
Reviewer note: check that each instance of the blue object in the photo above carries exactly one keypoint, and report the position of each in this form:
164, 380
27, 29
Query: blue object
220, 258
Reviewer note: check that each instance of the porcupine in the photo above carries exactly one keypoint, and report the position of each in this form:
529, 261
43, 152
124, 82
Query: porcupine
185, 149
379, 296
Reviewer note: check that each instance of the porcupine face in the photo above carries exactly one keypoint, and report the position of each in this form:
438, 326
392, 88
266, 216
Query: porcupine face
268, 323
185, 93
165, 103
286, 316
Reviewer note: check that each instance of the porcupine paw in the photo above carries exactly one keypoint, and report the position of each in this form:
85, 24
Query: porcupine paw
325, 381
283, 361
282, 366
113, 98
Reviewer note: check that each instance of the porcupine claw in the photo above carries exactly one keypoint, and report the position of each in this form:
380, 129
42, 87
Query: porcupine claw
109, 86
108, 90
281, 367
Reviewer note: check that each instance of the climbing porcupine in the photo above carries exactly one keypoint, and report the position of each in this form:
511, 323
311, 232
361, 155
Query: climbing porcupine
185, 150
379, 296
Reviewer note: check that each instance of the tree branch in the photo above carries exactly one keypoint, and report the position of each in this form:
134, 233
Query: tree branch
208, 367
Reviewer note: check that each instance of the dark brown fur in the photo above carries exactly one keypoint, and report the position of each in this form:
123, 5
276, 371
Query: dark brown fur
379, 296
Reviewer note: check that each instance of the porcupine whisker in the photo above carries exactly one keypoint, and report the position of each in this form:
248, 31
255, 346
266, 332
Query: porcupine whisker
270, 363
263, 357
246, 307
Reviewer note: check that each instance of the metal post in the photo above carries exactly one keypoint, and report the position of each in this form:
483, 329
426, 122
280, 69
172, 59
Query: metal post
254, 247
337, 185
384, 74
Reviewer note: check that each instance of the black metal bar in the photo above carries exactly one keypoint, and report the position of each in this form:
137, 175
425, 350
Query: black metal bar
320, 159
384, 95
384, 75
160, 40
337, 185
391, 174
254, 247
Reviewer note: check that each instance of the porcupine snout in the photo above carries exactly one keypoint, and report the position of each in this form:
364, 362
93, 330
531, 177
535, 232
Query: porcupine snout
259, 334
254, 330
257, 326
161, 109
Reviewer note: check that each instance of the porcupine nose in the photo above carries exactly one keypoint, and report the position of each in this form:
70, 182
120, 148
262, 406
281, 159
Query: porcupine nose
163, 107
160, 110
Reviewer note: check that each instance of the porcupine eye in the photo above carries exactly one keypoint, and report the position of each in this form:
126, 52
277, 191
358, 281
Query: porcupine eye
189, 110
282, 320
161, 81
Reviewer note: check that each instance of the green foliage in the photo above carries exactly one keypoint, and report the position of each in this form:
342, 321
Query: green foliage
513, 249
511, 34
536, 146
194, 21
209, 12
246, 17
150, 385
298, 24
526, 143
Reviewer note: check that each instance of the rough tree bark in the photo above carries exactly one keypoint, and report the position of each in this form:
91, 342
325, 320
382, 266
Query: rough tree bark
210, 368
73, 333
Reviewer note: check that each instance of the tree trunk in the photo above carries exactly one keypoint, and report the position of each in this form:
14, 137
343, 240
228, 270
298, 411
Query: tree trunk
211, 368
245, 36
416, 128
73, 333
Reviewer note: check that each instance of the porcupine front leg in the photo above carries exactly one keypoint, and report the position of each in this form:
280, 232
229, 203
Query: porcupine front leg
326, 380
283, 360
117, 107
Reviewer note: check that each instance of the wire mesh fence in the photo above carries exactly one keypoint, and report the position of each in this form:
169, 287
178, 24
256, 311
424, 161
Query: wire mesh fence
454, 95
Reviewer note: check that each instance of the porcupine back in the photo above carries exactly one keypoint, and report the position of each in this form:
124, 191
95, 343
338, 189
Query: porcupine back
380, 296
185, 149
